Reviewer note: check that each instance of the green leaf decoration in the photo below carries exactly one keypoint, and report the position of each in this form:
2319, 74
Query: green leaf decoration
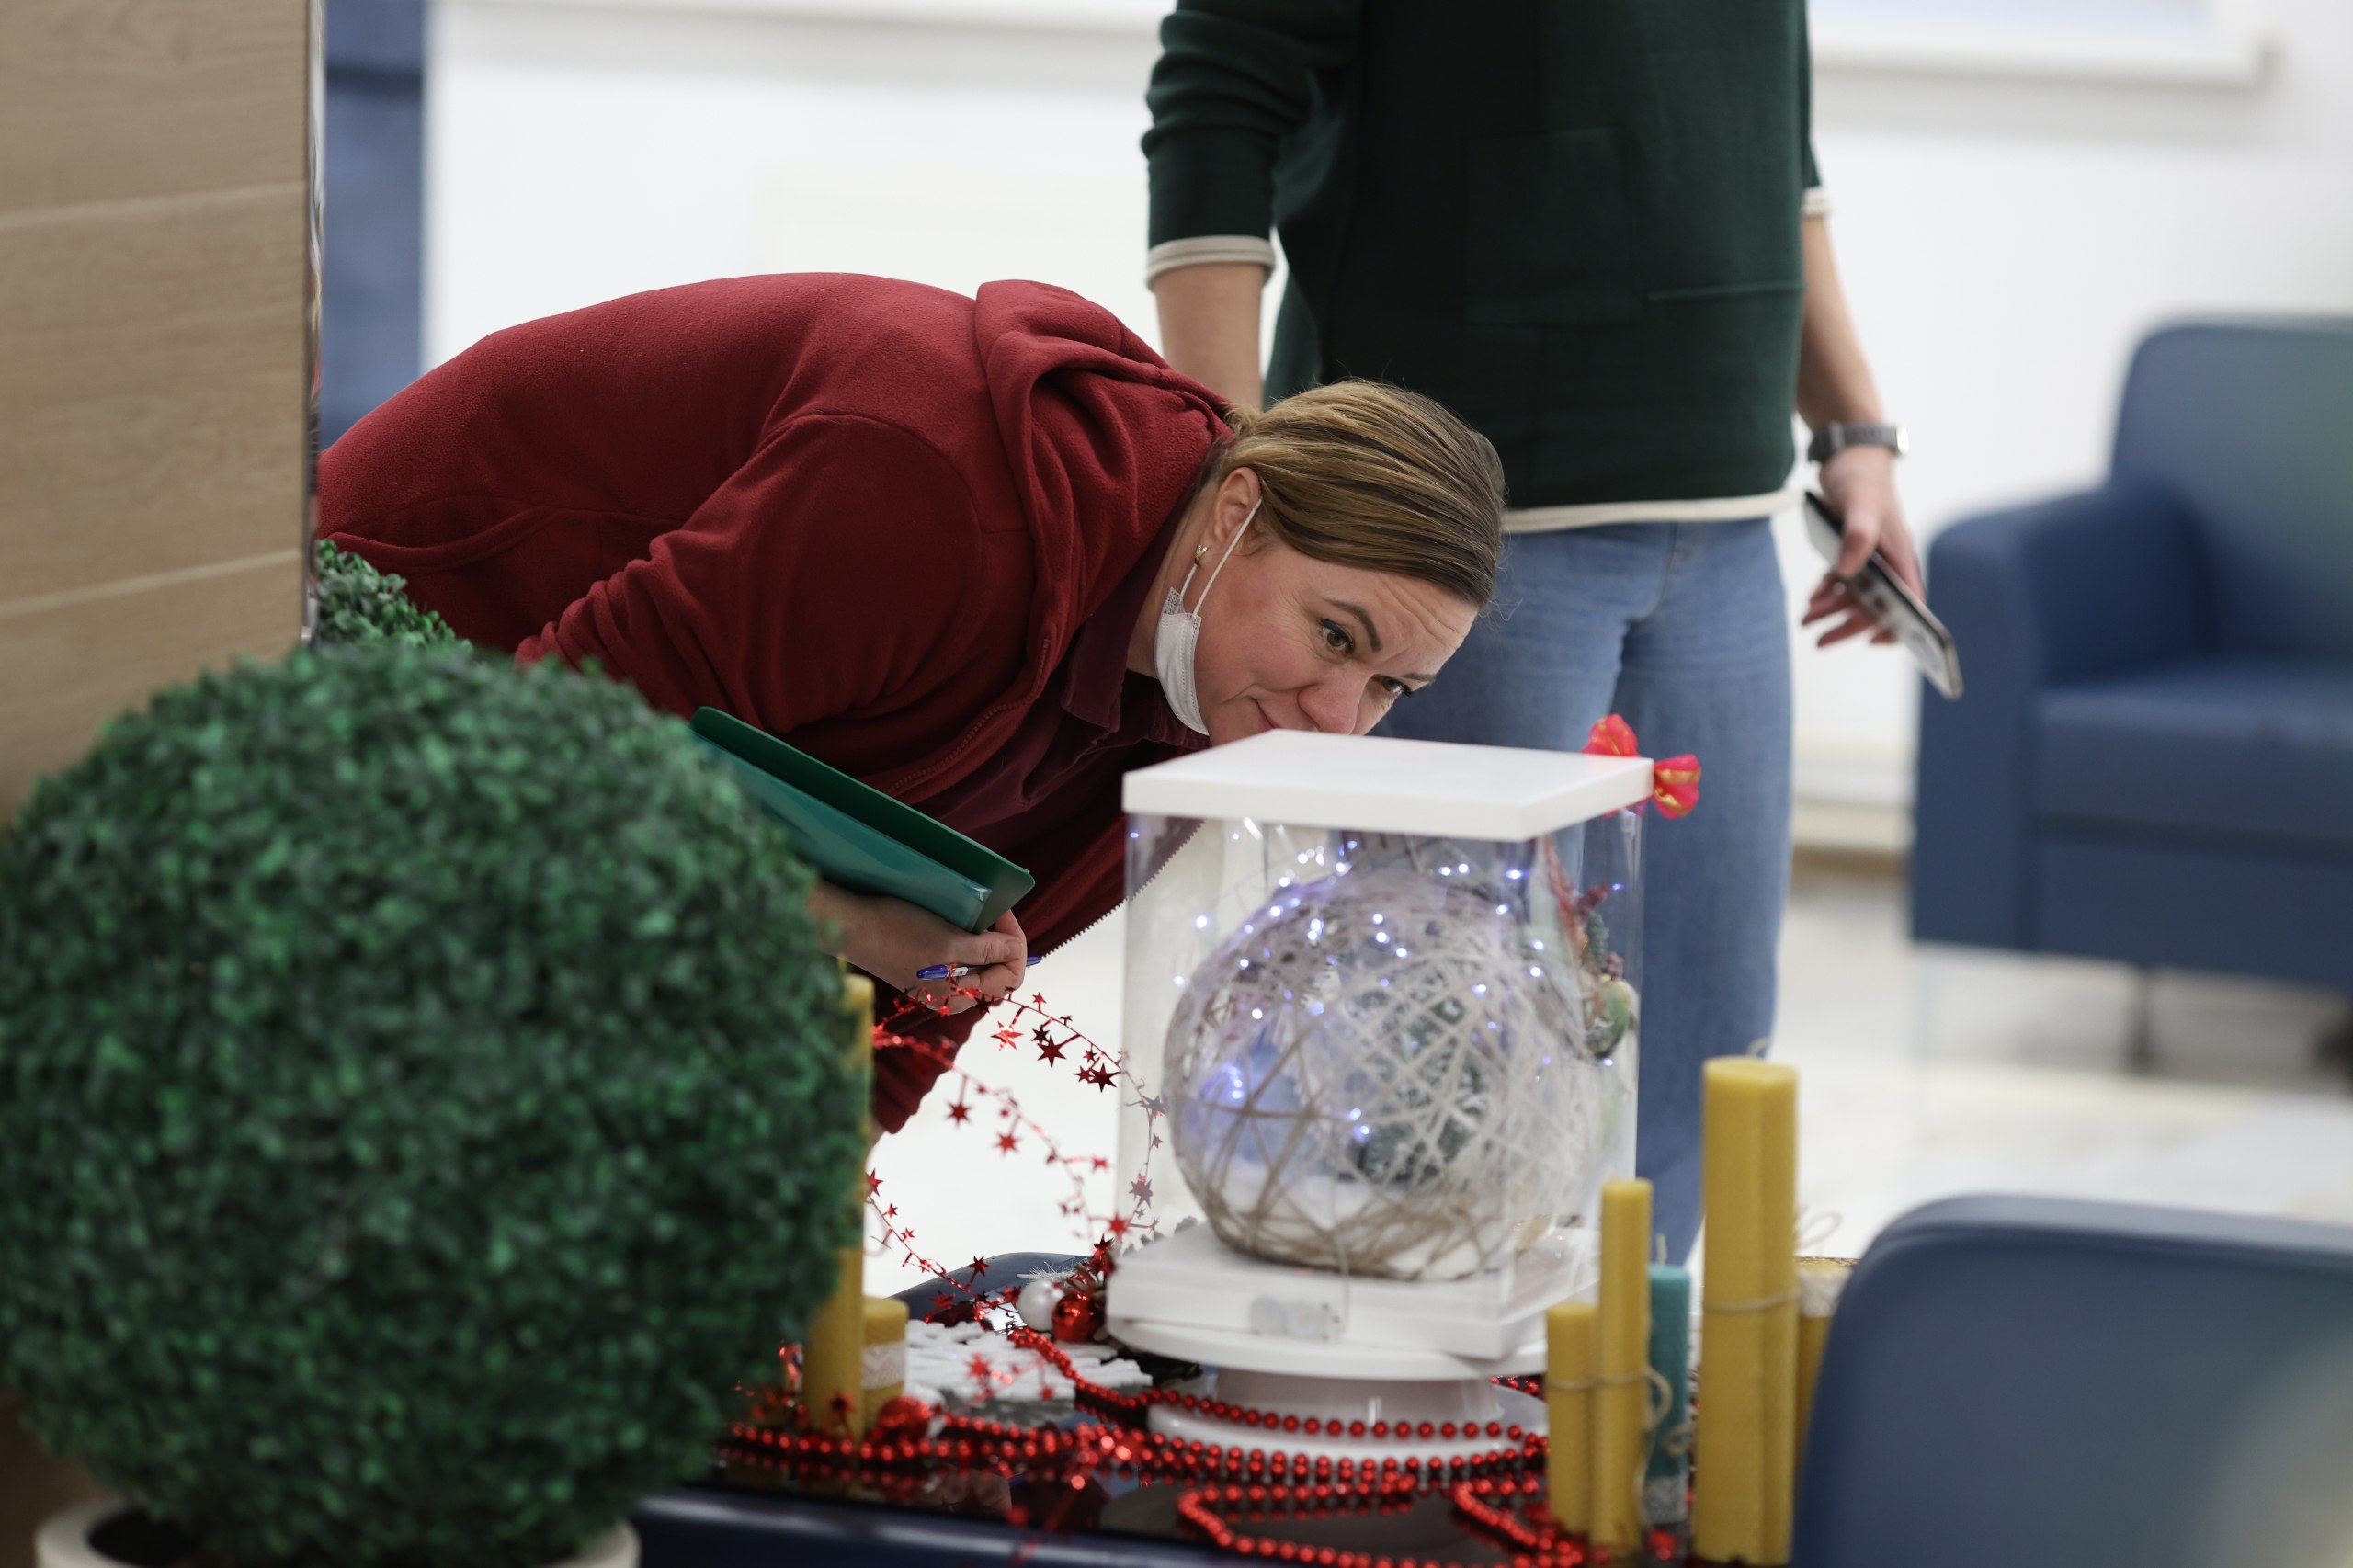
360, 604
422, 1102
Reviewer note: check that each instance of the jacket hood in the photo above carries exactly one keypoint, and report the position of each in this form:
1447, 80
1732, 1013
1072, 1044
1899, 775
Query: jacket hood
1103, 438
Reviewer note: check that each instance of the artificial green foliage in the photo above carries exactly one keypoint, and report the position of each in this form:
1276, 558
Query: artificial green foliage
358, 604
422, 1100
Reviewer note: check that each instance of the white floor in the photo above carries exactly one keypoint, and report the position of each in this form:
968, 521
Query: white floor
1927, 1071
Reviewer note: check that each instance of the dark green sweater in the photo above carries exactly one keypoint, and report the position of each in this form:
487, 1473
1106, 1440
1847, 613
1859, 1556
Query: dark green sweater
1573, 222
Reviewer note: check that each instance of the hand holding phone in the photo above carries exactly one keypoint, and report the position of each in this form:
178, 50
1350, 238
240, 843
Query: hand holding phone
1890, 602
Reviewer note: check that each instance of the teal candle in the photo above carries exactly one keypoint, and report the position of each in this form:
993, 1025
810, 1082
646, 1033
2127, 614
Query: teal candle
1666, 1489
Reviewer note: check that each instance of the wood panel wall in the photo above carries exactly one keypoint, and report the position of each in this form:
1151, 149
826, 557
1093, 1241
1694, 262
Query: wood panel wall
152, 228
153, 220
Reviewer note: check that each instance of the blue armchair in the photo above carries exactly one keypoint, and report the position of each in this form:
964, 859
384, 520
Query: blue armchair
2153, 758
2034, 1381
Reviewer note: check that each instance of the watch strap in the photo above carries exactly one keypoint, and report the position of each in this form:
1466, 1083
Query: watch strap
1836, 436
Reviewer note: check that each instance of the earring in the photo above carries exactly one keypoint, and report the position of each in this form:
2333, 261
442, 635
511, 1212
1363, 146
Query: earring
1200, 549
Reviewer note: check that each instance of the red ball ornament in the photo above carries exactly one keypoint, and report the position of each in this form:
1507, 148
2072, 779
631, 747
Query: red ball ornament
902, 1417
1076, 1317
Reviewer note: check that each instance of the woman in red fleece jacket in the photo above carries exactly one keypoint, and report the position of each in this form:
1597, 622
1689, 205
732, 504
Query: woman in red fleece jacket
933, 542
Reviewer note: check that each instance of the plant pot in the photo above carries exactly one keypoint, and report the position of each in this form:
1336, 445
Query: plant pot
109, 1533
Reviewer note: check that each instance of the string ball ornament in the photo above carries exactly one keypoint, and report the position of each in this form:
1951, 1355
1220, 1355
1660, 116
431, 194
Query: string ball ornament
1378, 1072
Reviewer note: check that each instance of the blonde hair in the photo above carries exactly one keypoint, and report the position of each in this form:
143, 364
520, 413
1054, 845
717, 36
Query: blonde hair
1363, 475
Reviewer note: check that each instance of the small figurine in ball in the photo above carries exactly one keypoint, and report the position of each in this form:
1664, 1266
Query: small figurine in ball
1385, 1071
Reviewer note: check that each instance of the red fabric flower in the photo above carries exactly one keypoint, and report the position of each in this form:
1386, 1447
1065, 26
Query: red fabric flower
1612, 738
1675, 782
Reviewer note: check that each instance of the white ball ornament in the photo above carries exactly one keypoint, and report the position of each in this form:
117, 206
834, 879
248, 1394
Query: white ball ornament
1036, 1304
1385, 1073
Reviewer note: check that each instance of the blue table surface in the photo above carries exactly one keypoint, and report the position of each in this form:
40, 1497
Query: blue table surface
699, 1527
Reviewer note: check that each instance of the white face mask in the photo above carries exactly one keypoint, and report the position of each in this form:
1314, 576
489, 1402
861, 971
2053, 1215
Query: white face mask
1180, 629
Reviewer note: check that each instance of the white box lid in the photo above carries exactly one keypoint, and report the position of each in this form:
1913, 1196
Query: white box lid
1383, 784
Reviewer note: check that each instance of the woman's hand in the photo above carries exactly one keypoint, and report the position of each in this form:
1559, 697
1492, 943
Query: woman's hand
1859, 485
891, 939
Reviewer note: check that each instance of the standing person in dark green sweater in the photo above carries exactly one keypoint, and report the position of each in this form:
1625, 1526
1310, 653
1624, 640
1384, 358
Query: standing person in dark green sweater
1594, 229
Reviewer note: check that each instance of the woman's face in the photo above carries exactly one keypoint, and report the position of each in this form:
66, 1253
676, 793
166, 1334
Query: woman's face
1290, 642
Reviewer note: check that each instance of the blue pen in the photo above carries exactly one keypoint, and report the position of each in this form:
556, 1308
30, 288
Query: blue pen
958, 971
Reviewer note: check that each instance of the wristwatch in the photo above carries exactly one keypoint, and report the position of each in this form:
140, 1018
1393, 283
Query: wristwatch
1838, 435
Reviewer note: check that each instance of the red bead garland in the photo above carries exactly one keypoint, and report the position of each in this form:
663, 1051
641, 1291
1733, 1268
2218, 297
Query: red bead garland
1499, 1493
1200, 1509
1514, 1509
1333, 1426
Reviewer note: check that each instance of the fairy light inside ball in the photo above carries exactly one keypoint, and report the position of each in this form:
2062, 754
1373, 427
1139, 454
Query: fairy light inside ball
1351, 1088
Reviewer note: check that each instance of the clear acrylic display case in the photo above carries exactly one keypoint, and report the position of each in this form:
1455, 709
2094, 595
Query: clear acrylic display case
1381, 1020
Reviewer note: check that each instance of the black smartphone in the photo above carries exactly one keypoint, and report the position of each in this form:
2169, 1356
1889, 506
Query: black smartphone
1896, 605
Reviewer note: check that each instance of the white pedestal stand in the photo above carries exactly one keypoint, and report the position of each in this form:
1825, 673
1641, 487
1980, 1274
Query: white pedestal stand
1308, 1342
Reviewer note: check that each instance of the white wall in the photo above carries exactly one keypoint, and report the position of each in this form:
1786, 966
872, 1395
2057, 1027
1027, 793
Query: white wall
2005, 242
582, 151
2006, 230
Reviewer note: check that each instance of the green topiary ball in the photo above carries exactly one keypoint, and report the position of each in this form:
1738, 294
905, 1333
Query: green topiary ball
422, 1100
358, 604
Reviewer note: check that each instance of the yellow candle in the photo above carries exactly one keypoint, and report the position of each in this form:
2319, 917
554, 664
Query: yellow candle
1568, 1412
833, 1353
1743, 1462
1819, 1282
1621, 1390
858, 1009
882, 1373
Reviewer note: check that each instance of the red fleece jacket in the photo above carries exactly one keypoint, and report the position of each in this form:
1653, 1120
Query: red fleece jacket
865, 516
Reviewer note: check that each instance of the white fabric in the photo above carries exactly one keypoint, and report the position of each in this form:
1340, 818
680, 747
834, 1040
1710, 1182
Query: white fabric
883, 1366
1714, 509
962, 1365
1179, 631
1170, 255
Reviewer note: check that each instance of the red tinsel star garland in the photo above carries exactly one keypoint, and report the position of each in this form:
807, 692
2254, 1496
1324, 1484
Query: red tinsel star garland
1055, 1035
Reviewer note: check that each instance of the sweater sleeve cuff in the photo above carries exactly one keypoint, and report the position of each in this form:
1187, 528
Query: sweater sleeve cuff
1209, 180
1815, 203
1204, 249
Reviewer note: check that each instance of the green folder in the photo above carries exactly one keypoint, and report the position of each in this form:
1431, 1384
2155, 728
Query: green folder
860, 838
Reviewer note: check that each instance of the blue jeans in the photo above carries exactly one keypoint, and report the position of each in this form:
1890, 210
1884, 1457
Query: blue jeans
1683, 629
